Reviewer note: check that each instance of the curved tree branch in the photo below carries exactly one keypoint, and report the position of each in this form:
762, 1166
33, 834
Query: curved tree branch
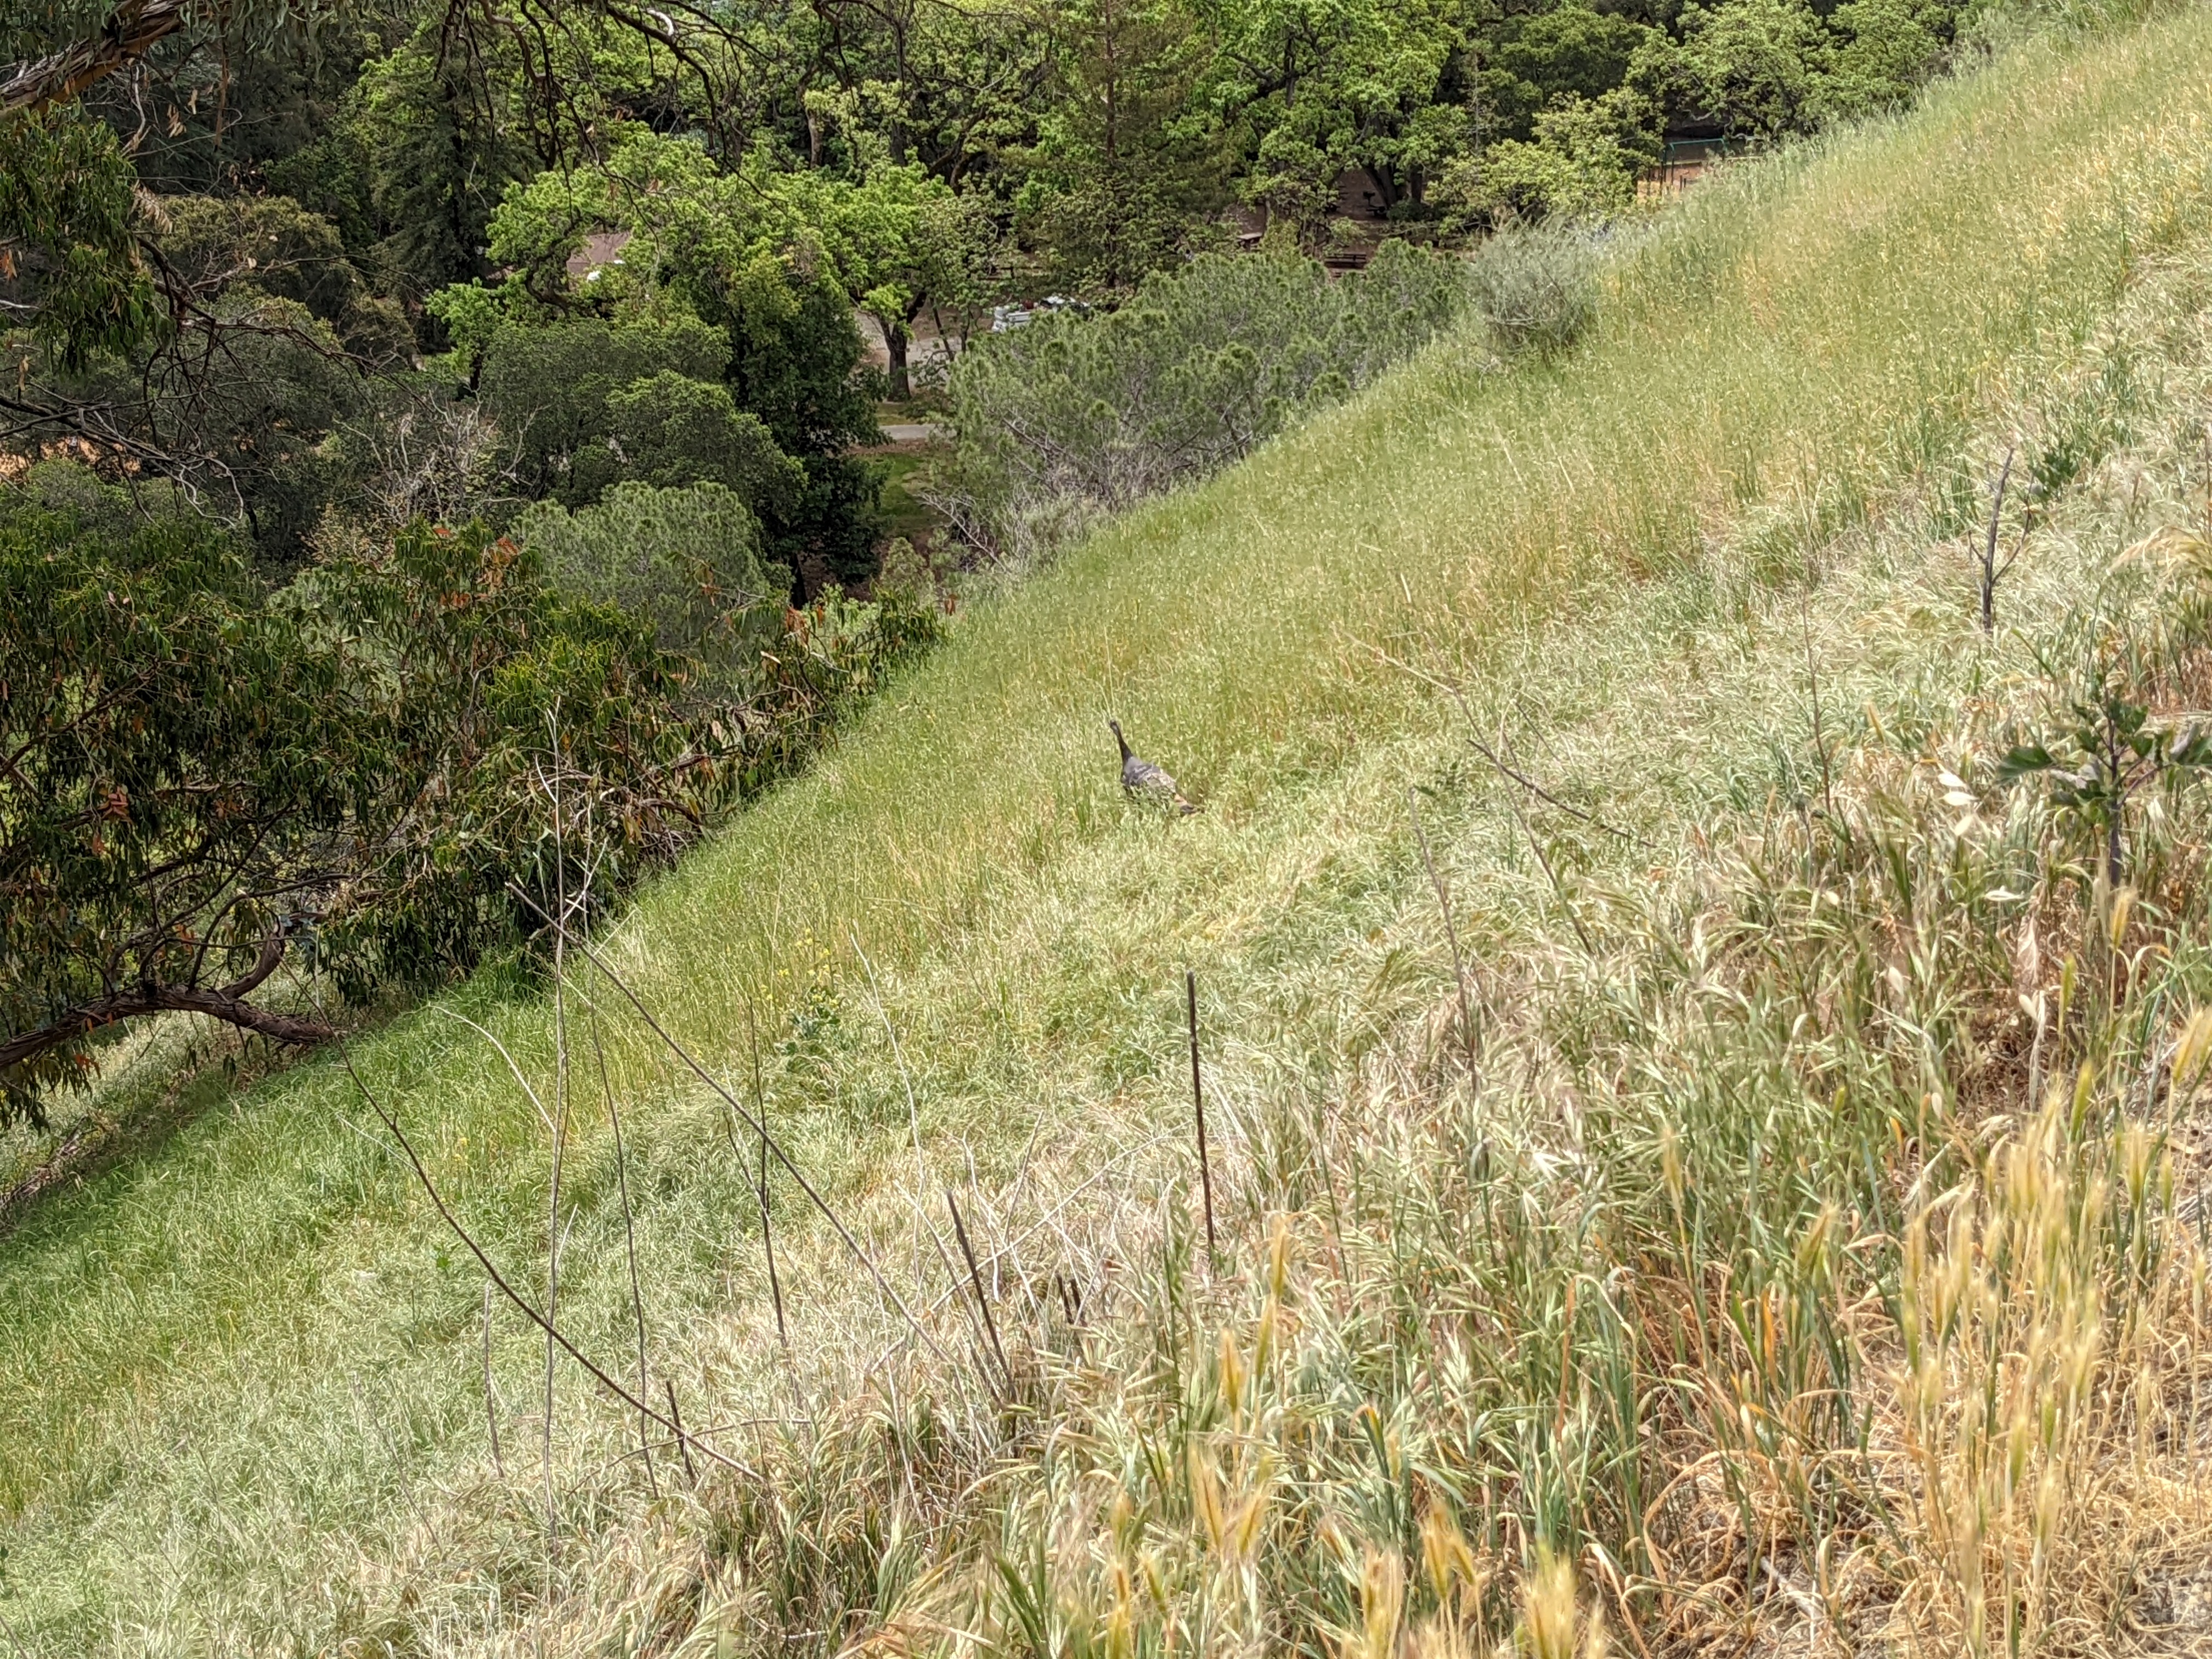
226, 1003
133, 29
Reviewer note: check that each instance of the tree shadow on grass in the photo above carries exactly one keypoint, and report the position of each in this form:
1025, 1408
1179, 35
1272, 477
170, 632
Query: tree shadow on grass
155, 1079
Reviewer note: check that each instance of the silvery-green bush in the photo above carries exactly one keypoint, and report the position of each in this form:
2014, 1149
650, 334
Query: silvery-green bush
687, 561
1076, 415
1536, 287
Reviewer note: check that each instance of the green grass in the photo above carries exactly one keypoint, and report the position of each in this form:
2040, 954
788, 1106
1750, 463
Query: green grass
240, 1401
904, 515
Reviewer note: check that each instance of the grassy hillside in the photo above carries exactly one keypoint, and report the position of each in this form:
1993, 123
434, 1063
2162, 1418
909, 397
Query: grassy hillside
1552, 1277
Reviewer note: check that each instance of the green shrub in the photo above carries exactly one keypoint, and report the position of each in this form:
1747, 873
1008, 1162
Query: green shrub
1580, 166
205, 775
271, 246
382, 770
669, 430
1072, 414
687, 562
1535, 287
550, 387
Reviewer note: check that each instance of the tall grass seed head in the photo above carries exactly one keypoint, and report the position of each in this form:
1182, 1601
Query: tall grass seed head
1381, 1603
1670, 1165
1205, 1492
1445, 1553
1548, 1608
1232, 1373
1278, 1256
2191, 1051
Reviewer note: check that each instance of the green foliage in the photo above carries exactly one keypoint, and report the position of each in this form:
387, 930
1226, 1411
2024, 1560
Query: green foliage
421, 180
180, 762
240, 409
585, 403
69, 249
470, 314
1073, 413
1580, 166
1883, 50
2107, 751
686, 561
270, 246
1754, 65
1359, 85
1580, 101
1127, 158
1763, 69
893, 240
273, 334
775, 263
669, 429
372, 761
426, 144
557, 742
1572, 52
795, 358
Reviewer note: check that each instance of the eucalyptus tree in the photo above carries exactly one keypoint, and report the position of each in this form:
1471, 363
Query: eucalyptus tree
375, 773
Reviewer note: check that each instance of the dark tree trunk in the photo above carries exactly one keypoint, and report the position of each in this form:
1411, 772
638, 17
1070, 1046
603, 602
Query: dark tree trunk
894, 341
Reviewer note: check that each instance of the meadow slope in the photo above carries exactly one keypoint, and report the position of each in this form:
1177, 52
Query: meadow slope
243, 1369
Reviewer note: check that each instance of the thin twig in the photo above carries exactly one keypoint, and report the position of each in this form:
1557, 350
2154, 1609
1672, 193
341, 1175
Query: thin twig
1451, 930
1547, 797
491, 1407
1049, 1219
683, 1440
1812, 690
783, 1157
760, 1186
1991, 573
1198, 1108
629, 1242
982, 1302
1536, 846
1474, 737
912, 1108
560, 1136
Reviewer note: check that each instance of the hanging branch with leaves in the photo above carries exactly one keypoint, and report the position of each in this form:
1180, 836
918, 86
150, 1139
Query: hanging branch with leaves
2109, 750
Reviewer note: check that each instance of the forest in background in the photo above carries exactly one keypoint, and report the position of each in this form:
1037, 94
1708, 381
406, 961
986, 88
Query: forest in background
392, 259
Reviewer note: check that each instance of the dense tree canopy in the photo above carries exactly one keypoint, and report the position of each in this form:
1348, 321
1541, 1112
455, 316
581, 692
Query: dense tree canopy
410, 751
360, 188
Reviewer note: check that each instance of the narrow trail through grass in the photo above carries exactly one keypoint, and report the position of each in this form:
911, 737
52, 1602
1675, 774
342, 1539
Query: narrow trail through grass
237, 1370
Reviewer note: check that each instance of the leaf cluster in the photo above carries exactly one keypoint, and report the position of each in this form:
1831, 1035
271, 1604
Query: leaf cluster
2108, 749
68, 251
179, 768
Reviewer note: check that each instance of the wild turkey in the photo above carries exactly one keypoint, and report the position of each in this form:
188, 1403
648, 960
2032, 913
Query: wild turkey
1143, 781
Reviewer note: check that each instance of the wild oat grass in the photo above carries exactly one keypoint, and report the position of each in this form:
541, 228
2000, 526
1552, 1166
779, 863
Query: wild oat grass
1751, 1264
